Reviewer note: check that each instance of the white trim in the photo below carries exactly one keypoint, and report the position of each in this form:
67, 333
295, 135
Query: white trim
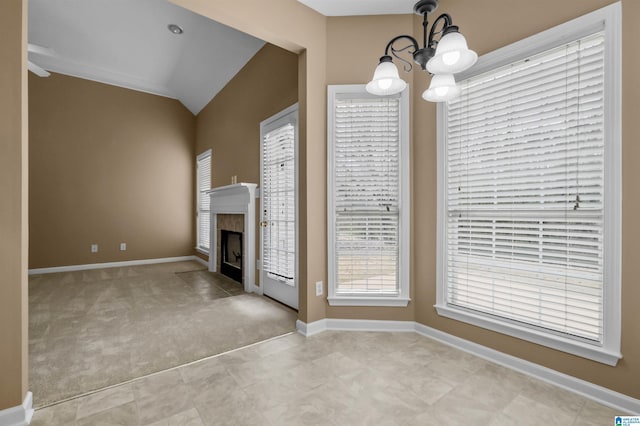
599, 394
353, 325
311, 328
88, 266
404, 255
203, 155
612, 16
201, 251
608, 18
368, 301
85, 71
608, 397
20, 415
575, 347
238, 198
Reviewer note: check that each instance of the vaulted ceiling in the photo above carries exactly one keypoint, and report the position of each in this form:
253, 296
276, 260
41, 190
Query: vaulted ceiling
127, 43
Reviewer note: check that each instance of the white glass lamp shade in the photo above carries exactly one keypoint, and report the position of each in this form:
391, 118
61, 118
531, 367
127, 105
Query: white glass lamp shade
386, 80
452, 55
442, 88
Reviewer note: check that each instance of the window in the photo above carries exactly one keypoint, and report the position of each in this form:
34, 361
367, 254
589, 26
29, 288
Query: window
368, 197
203, 166
529, 200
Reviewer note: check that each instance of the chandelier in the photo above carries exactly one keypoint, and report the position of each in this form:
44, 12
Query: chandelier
444, 53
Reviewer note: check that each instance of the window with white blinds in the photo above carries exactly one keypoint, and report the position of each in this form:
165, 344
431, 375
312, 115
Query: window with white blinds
525, 188
203, 182
368, 198
278, 202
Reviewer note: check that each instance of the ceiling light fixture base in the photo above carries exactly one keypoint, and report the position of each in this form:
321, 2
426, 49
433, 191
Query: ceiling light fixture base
175, 29
425, 6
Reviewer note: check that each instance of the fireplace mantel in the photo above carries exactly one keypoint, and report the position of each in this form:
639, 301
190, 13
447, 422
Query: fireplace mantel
239, 198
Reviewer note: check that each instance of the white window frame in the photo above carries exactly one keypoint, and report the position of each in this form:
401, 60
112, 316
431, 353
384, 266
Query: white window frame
202, 213
402, 298
608, 352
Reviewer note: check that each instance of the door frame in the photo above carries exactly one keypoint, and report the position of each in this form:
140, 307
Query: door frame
291, 109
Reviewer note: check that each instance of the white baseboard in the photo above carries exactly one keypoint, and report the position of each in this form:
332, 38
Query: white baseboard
599, 394
114, 264
352, 325
625, 404
20, 415
311, 328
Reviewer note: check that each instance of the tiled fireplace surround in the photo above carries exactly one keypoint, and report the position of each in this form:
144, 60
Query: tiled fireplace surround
233, 208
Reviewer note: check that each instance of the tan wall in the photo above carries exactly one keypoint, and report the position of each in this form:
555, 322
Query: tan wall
230, 123
107, 165
354, 46
293, 26
13, 208
489, 25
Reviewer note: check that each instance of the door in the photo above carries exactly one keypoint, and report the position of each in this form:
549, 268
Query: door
278, 206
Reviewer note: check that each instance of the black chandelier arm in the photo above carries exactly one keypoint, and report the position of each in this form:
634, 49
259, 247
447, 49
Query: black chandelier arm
448, 22
408, 66
413, 43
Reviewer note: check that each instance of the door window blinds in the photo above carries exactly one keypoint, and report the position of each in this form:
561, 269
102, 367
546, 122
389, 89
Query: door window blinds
366, 169
204, 202
278, 257
524, 191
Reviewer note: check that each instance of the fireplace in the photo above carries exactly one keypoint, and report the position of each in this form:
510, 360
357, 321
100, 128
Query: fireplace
233, 208
231, 254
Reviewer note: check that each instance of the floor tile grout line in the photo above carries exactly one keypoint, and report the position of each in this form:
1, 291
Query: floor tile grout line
126, 382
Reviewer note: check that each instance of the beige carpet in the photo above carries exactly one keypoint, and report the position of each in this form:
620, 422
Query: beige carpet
91, 329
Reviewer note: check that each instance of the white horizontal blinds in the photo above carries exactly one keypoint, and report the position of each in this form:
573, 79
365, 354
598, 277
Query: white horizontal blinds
204, 202
366, 199
525, 150
279, 204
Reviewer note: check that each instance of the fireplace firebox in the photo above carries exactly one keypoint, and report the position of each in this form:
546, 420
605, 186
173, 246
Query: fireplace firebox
231, 254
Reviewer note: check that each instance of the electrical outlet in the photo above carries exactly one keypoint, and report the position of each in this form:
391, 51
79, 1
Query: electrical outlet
318, 288
123, 246
258, 264
94, 248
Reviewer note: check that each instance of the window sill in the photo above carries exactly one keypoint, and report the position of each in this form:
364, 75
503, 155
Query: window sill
202, 251
368, 301
581, 349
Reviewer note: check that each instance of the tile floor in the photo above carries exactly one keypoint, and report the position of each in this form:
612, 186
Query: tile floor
92, 329
334, 378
